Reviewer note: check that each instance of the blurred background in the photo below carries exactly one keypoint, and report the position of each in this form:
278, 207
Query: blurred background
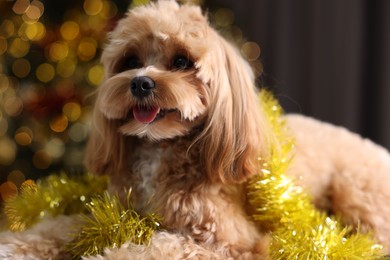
326, 59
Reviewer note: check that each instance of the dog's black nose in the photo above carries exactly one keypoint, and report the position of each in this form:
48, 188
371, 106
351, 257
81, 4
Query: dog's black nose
142, 86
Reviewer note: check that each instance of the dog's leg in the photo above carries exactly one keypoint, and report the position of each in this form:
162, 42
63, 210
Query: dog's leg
213, 215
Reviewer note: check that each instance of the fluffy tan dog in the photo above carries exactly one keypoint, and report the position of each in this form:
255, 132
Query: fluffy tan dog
177, 119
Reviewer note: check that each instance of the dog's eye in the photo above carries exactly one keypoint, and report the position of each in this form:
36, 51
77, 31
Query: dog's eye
131, 62
182, 63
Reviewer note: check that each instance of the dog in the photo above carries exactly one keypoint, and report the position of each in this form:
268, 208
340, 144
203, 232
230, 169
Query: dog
177, 120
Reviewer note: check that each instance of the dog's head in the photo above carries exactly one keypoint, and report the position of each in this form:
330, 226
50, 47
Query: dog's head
167, 72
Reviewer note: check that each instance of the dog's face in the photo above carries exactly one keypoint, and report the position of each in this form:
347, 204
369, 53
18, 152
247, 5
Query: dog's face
152, 83
168, 71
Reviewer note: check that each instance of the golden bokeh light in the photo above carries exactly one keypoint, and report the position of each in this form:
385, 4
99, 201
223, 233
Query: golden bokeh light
24, 136
32, 31
95, 75
42, 160
109, 10
45, 72
69, 30
237, 33
7, 28
16, 177
20, 6
224, 17
33, 13
39, 5
257, 68
96, 23
58, 51
13, 106
251, 51
55, 147
59, 124
21, 68
86, 49
23, 139
78, 132
93, 7
72, 111
7, 151
66, 68
7, 190
19, 48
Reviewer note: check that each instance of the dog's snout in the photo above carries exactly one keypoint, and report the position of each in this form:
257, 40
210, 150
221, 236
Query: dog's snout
142, 86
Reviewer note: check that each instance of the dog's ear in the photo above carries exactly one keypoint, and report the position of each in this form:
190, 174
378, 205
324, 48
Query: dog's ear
105, 152
236, 132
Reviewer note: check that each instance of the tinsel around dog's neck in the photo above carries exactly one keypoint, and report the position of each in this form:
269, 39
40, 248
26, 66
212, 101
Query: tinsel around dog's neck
297, 229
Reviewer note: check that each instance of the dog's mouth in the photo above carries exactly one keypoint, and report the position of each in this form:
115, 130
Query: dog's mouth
147, 115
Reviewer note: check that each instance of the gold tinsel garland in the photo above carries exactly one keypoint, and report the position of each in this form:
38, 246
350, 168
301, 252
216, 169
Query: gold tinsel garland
52, 196
298, 230
110, 225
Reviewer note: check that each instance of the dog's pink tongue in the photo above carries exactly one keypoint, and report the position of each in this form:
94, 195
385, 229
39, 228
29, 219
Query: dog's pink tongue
145, 115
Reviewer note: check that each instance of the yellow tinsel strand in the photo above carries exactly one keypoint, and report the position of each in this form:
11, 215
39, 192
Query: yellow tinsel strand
52, 196
110, 225
299, 231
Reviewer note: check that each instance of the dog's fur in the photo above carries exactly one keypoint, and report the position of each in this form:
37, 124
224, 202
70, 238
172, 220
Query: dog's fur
190, 163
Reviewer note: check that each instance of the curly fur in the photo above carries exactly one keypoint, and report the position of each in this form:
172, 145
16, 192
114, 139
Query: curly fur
190, 163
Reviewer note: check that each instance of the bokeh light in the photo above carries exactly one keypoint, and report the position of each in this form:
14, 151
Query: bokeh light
109, 10
49, 67
72, 111
7, 28
19, 48
21, 6
58, 51
45, 72
21, 68
95, 75
7, 151
16, 177
66, 68
24, 136
7, 190
93, 7
78, 132
32, 31
33, 13
41, 159
224, 17
251, 51
59, 123
69, 30
49, 64
13, 106
87, 49
55, 148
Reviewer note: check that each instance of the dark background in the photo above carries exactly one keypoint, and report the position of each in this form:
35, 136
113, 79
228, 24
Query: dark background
329, 59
